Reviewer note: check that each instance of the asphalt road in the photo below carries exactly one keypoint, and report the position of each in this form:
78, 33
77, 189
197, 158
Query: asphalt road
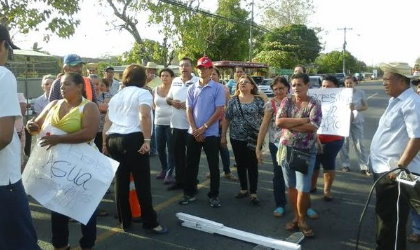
335, 229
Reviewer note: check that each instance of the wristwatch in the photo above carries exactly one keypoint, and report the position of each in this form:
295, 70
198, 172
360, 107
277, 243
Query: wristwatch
205, 125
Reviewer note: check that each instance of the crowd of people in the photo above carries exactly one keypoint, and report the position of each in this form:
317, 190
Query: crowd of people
180, 116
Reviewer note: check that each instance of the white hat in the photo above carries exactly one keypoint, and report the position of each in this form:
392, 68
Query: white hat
397, 68
151, 65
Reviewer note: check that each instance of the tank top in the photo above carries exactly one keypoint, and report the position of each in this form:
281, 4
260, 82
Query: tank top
70, 122
163, 111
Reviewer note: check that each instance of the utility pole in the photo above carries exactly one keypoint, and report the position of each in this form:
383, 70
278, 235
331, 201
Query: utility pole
250, 31
344, 48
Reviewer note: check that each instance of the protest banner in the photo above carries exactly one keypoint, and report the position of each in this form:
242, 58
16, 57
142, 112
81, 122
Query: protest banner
70, 179
336, 111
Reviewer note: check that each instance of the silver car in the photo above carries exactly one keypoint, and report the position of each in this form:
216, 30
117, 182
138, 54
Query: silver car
264, 87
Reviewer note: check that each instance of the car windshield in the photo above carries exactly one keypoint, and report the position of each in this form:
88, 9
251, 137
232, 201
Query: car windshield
266, 82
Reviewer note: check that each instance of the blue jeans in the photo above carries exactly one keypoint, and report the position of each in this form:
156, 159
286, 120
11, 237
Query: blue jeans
224, 155
163, 141
295, 179
415, 221
278, 179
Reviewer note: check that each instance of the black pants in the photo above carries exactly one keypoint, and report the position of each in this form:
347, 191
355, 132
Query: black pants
179, 142
60, 231
123, 148
246, 163
98, 141
211, 148
16, 228
386, 214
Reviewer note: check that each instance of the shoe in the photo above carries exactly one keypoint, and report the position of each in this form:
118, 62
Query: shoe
187, 200
306, 230
278, 212
101, 212
157, 230
137, 220
291, 226
126, 228
365, 172
327, 198
345, 169
175, 186
241, 195
312, 214
161, 175
255, 201
413, 238
230, 177
313, 190
215, 202
168, 180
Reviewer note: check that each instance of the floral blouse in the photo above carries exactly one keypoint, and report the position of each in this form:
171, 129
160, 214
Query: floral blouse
274, 132
253, 113
288, 109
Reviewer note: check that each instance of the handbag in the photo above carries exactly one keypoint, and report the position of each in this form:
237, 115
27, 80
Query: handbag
252, 133
298, 159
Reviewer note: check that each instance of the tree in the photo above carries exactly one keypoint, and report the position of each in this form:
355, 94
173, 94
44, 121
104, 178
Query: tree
154, 51
279, 13
25, 15
332, 62
289, 45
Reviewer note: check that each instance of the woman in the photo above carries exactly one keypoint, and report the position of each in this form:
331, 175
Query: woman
163, 114
79, 118
127, 133
359, 104
299, 116
243, 117
280, 88
331, 145
224, 151
102, 99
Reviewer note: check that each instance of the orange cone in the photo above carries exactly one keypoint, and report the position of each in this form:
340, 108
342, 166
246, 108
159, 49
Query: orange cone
132, 198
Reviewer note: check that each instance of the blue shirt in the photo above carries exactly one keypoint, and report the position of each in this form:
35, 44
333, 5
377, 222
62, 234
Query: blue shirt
399, 123
204, 100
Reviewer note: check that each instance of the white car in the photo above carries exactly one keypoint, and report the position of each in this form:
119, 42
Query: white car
265, 87
315, 82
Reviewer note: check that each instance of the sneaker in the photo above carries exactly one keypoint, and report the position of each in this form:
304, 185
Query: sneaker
161, 175
312, 214
365, 172
278, 212
215, 202
345, 169
230, 177
168, 180
187, 200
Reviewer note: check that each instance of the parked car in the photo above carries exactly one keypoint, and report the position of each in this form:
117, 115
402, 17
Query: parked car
264, 87
315, 82
257, 79
358, 76
340, 77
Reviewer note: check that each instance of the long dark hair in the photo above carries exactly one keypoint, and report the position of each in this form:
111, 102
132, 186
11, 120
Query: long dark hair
77, 79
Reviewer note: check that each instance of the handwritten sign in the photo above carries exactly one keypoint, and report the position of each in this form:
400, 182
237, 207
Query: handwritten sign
336, 111
70, 179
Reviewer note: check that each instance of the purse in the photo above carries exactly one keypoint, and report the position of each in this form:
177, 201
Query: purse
298, 159
252, 133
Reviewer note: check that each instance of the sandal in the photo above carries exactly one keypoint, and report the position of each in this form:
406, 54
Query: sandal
306, 230
413, 238
292, 226
241, 195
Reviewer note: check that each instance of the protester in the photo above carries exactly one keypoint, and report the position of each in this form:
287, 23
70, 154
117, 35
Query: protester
223, 149
42, 101
163, 113
243, 118
19, 127
280, 88
205, 103
127, 139
16, 228
299, 116
177, 97
103, 97
299, 69
359, 104
231, 84
330, 145
114, 85
152, 79
72, 63
396, 143
79, 118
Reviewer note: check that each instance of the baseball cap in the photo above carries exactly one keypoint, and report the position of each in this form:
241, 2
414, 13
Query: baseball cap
5, 36
72, 60
204, 62
109, 68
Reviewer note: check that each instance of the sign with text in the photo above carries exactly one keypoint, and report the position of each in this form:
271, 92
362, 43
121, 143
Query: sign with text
336, 111
70, 179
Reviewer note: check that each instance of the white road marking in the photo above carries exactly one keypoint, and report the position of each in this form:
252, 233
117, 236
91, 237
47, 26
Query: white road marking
371, 96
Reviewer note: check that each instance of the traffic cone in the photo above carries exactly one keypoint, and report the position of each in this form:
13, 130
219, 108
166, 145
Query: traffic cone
132, 198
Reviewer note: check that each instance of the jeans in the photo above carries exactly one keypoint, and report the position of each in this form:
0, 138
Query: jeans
16, 228
415, 221
295, 179
123, 148
179, 144
279, 188
224, 155
153, 149
356, 134
211, 148
247, 164
60, 231
163, 141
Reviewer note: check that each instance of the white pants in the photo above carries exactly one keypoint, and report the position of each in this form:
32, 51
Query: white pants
356, 134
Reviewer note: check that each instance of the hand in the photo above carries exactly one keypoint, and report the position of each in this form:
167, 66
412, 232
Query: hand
183, 105
199, 131
258, 153
49, 141
351, 106
176, 104
223, 141
392, 176
105, 150
145, 148
32, 126
199, 138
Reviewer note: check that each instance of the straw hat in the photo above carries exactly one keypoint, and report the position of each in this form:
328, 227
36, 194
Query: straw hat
151, 65
397, 68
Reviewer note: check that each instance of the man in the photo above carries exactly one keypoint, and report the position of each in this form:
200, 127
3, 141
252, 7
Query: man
177, 97
42, 101
16, 228
299, 69
205, 103
396, 143
239, 71
109, 75
153, 79
72, 63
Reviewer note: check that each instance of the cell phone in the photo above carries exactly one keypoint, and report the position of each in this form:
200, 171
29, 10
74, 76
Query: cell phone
296, 237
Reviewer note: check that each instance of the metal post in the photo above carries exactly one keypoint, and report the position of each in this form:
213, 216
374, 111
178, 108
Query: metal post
344, 48
250, 31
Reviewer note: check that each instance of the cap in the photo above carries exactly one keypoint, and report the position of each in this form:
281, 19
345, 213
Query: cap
5, 36
151, 65
109, 67
72, 60
204, 62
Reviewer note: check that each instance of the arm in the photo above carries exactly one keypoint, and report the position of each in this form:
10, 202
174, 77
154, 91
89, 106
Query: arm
7, 125
34, 125
146, 124
410, 151
261, 134
363, 107
215, 117
107, 125
305, 128
225, 126
290, 122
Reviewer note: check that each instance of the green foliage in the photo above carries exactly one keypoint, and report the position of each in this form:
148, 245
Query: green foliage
152, 49
26, 15
333, 62
279, 13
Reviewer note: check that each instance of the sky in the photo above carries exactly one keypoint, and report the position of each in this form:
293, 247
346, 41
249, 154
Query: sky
381, 30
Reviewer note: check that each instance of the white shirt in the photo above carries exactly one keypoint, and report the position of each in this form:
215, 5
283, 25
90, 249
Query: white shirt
10, 155
40, 103
163, 111
178, 91
124, 110
359, 97
115, 87
399, 123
